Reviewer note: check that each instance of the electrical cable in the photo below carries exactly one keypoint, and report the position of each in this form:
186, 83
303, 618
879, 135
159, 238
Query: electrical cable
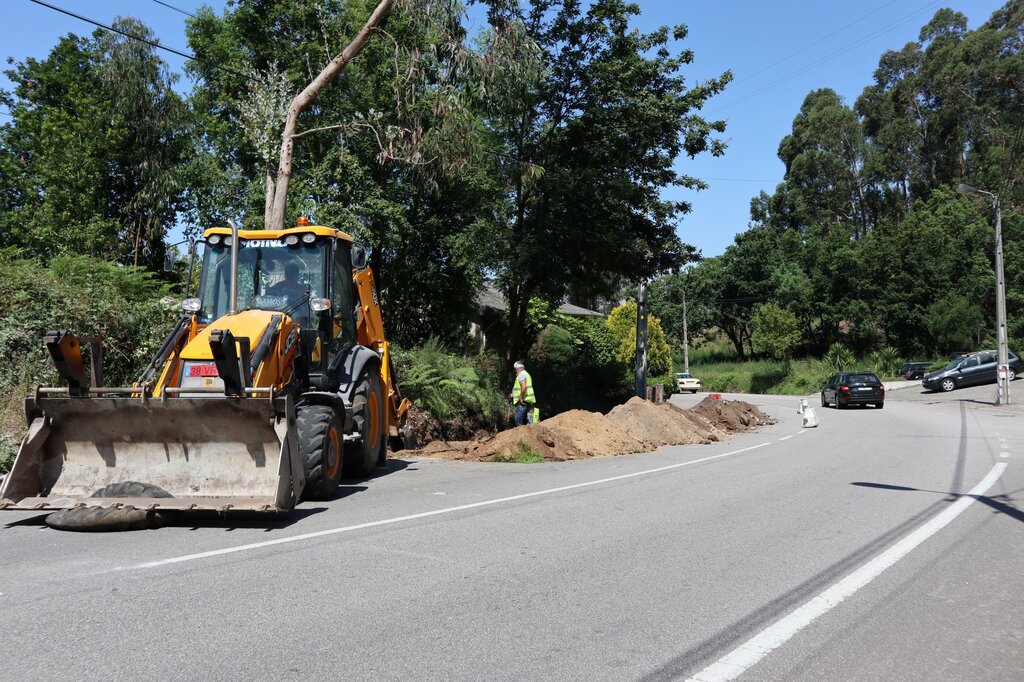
829, 57
805, 47
140, 39
176, 9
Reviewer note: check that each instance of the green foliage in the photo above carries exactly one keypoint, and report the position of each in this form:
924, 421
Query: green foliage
92, 156
87, 296
8, 451
459, 391
955, 323
886, 362
622, 323
596, 216
839, 358
775, 331
574, 366
523, 454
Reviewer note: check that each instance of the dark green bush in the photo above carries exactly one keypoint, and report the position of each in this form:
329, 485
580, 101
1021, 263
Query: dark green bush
574, 366
91, 297
461, 392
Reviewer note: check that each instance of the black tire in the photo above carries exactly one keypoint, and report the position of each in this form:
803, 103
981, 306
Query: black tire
880, 405
103, 519
948, 384
320, 444
370, 451
823, 402
839, 403
131, 489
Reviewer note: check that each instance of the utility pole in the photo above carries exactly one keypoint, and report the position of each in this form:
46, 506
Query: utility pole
641, 341
1002, 350
686, 339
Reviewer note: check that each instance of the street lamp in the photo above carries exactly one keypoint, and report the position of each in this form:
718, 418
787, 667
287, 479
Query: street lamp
1002, 360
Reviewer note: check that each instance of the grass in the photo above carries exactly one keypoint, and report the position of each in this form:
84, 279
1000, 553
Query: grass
524, 454
720, 370
8, 450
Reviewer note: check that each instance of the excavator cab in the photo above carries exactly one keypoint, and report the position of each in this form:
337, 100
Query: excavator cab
276, 380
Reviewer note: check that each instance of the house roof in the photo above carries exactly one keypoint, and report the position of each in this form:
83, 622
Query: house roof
489, 297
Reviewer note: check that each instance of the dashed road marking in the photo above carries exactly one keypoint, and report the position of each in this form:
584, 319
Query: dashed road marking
786, 437
745, 656
1004, 455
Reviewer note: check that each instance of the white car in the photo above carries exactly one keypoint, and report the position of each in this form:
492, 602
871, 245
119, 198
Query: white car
687, 382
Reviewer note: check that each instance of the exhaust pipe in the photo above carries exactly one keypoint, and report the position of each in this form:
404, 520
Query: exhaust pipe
233, 297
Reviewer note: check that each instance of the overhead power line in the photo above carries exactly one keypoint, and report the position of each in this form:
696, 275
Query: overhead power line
140, 39
806, 47
176, 9
151, 43
829, 57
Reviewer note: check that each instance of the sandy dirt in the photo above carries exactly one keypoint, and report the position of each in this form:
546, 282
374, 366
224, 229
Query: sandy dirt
635, 426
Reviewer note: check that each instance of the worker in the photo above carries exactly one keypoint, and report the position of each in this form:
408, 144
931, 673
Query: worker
290, 287
522, 395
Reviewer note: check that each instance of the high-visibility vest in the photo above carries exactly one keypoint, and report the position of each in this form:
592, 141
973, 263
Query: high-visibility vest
529, 399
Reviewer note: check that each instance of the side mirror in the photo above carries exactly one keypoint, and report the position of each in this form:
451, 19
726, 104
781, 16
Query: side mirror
358, 257
168, 261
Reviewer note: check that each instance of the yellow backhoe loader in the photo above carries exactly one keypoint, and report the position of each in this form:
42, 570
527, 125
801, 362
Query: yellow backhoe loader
275, 381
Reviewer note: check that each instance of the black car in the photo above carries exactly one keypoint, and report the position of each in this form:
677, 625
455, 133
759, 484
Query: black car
970, 370
915, 370
853, 388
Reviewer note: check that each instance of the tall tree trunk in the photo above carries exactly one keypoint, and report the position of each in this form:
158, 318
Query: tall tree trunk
302, 101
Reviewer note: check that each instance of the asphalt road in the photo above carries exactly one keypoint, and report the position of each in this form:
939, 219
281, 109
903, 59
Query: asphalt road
884, 544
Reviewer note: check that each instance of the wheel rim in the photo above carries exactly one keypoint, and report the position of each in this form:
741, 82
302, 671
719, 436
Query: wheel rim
333, 451
1011, 375
948, 385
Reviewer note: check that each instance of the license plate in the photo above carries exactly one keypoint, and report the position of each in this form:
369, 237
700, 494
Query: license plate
209, 370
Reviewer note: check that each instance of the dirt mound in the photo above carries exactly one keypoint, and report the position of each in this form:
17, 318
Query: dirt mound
732, 415
636, 426
593, 434
425, 425
656, 425
552, 444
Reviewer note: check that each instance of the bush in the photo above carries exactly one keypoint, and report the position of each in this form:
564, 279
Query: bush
91, 297
460, 392
574, 366
622, 323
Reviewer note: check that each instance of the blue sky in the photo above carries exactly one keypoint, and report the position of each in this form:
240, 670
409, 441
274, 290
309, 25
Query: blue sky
778, 51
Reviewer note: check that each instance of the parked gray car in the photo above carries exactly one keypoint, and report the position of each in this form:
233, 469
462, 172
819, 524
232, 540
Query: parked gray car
970, 370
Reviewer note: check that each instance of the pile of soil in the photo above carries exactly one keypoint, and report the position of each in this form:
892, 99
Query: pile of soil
425, 425
732, 415
657, 425
636, 426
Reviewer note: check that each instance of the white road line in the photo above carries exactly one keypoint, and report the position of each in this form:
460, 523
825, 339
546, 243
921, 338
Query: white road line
1004, 455
422, 515
801, 431
786, 437
742, 658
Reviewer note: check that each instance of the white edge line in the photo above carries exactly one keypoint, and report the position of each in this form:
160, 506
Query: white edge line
786, 437
801, 431
421, 515
743, 657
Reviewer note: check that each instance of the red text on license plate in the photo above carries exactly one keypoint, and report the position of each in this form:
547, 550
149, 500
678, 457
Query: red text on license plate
203, 370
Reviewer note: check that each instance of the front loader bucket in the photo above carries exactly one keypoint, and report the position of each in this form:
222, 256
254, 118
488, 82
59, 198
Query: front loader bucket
207, 453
